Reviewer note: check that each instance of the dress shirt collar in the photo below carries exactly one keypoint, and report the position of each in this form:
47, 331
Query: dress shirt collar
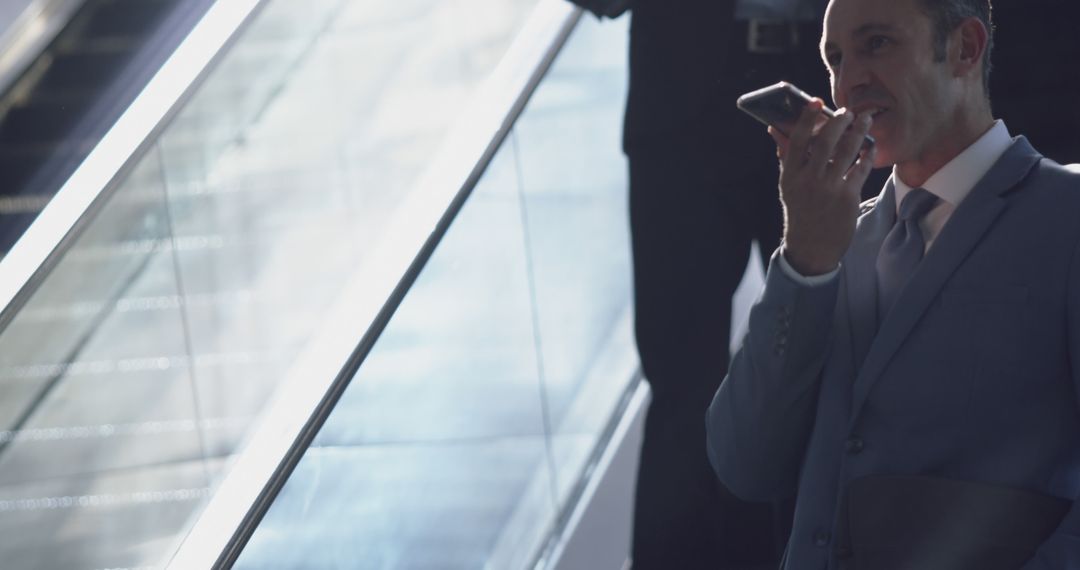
960, 175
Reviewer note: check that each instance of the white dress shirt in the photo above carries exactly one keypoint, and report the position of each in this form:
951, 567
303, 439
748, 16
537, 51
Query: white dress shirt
952, 183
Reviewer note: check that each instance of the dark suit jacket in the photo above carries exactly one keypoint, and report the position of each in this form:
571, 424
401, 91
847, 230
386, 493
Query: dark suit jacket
678, 54
976, 379
904, 522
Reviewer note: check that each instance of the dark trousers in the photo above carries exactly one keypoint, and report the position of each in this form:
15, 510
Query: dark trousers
698, 199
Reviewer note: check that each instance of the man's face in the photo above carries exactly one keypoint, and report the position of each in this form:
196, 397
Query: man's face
880, 57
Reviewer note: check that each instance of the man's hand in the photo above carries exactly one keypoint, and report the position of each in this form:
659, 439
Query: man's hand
820, 183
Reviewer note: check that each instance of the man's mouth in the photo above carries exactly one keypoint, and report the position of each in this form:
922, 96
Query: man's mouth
874, 111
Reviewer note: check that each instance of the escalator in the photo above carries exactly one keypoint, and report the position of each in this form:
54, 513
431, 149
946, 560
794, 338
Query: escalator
64, 101
351, 273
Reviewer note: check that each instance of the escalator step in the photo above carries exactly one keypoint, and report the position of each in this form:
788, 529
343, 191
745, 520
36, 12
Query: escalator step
81, 71
17, 168
126, 18
19, 164
76, 76
39, 123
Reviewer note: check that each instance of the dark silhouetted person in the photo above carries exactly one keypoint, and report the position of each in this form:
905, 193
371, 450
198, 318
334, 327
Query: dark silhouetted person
702, 189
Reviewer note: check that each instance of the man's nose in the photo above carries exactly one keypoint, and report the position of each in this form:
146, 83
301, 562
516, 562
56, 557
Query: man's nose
849, 78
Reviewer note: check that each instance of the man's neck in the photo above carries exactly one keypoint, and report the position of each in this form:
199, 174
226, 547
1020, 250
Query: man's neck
957, 137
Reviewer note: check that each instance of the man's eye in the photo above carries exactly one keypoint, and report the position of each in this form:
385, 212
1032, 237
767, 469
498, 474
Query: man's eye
833, 60
877, 42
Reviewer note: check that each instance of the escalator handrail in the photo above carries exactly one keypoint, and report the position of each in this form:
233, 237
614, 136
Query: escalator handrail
28, 34
74, 206
315, 382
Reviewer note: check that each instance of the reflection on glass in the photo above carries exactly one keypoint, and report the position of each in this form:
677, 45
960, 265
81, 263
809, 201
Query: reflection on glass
440, 433
472, 420
101, 425
574, 187
138, 365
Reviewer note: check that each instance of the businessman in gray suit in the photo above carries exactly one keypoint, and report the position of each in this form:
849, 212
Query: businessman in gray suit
918, 353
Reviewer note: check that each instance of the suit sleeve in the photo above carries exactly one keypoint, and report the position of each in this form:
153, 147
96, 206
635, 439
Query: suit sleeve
760, 419
1062, 550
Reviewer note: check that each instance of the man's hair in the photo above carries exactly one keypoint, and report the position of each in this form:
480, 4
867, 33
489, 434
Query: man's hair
947, 16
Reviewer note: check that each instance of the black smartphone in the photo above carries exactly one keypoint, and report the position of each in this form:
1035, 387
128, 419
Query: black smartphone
780, 105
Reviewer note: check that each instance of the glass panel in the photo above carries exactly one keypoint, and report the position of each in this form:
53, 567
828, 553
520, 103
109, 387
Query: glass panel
139, 364
574, 184
275, 216
101, 459
456, 444
426, 457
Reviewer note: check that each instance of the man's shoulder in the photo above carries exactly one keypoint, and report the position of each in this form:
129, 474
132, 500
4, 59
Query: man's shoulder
1050, 191
1040, 171
1050, 164
1050, 173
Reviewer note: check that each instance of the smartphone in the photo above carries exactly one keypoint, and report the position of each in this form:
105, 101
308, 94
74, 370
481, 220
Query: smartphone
780, 105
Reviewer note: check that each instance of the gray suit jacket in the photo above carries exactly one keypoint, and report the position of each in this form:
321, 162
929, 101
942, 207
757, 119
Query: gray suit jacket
975, 376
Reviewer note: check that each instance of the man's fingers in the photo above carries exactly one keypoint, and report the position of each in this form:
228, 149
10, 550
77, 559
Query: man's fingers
823, 147
804, 129
858, 173
851, 142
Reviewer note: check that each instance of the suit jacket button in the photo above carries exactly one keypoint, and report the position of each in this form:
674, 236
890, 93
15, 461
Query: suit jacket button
821, 538
854, 445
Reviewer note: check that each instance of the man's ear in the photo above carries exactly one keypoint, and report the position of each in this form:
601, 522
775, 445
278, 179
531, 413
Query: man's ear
969, 41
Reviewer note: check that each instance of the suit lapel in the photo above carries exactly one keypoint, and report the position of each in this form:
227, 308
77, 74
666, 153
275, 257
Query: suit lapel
965, 228
860, 276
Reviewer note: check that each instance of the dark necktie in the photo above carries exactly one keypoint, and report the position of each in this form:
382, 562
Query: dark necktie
902, 249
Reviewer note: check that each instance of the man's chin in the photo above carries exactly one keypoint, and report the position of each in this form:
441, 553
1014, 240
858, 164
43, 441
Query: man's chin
884, 155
